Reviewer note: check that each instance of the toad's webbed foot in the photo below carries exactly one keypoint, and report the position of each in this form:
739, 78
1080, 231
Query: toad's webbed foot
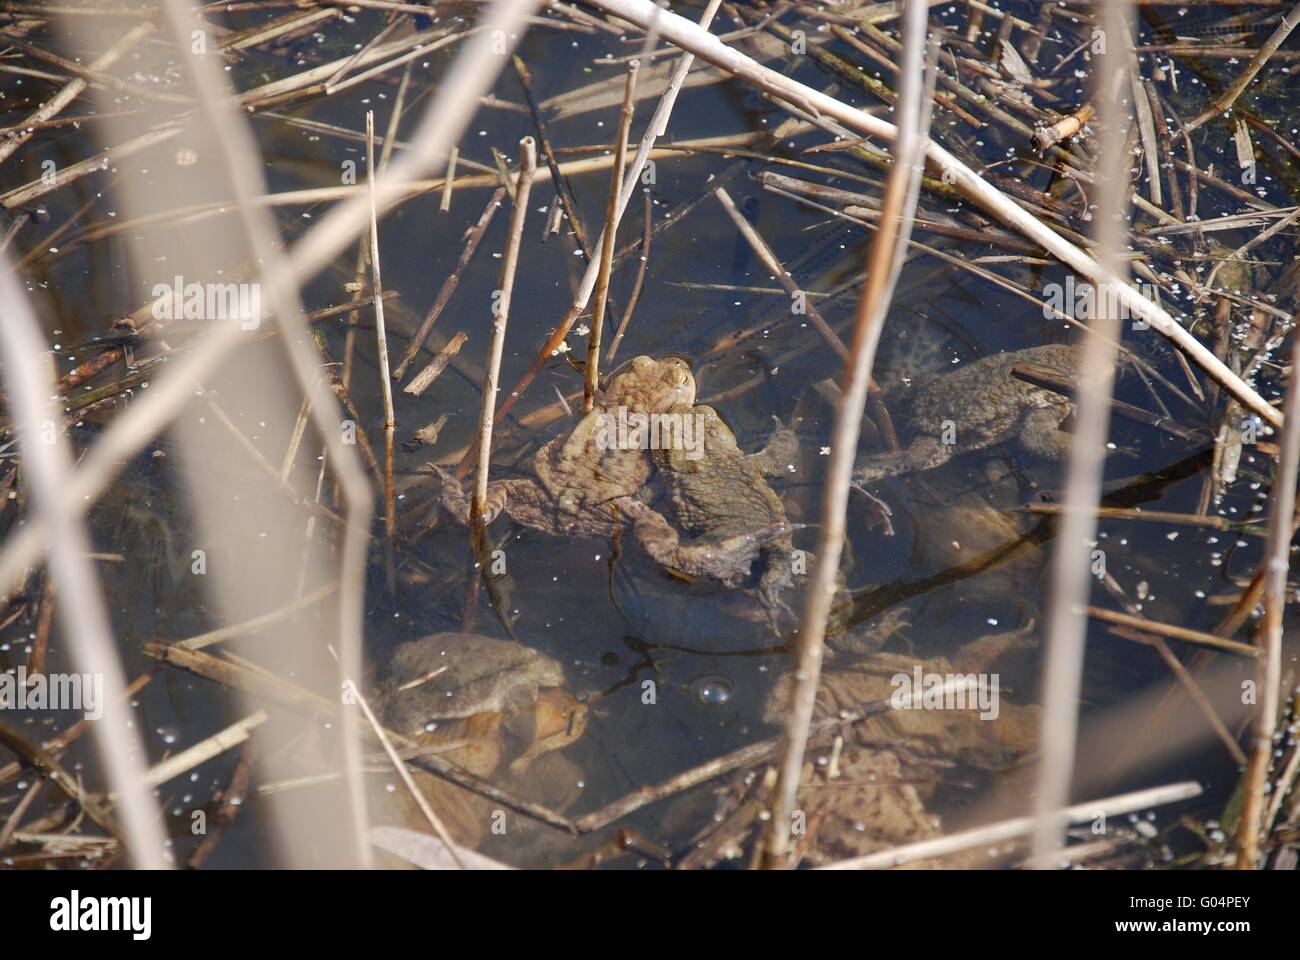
1041, 434
718, 557
780, 452
925, 453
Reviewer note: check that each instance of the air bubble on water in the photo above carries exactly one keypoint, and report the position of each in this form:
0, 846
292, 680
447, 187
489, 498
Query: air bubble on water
712, 691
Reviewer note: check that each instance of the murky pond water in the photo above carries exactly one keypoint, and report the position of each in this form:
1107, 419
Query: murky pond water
673, 672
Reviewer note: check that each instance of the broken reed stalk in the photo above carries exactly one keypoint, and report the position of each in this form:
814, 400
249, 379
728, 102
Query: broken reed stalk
385, 380
658, 123
1065, 625
444, 205
280, 277
1229, 96
884, 264
688, 36
501, 317
1269, 670
566, 202
82, 610
591, 372
1048, 136
75, 87
203, 751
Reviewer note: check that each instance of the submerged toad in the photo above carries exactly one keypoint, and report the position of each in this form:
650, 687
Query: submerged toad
871, 794
584, 482
481, 684
458, 695
974, 407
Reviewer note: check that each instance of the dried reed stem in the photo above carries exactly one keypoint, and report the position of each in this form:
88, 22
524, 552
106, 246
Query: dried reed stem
69, 93
884, 263
1065, 625
1229, 96
385, 381
82, 609
1268, 680
1010, 829
591, 372
501, 317
442, 124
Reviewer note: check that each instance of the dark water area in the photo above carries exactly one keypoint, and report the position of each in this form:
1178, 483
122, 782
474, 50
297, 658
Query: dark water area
617, 621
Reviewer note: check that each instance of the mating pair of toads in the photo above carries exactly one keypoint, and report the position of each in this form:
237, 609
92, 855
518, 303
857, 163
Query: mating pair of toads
722, 514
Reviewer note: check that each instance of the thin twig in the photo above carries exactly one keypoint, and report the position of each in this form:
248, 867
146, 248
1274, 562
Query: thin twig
635, 295
473, 238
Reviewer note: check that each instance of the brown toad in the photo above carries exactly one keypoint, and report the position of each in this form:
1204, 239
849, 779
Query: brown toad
584, 482
716, 493
438, 683
871, 793
458, 695
974, 407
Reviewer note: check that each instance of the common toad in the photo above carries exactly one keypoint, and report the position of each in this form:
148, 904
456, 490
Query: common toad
974, 407
458, 695
723, 494
463, 677
584, 482
872, 795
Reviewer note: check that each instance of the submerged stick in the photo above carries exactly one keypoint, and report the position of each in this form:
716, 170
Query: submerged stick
1261, 57
475, 236
778, 270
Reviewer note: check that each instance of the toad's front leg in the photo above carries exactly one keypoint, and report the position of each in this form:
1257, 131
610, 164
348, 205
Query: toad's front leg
925, 453
1041, 433
456, 502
